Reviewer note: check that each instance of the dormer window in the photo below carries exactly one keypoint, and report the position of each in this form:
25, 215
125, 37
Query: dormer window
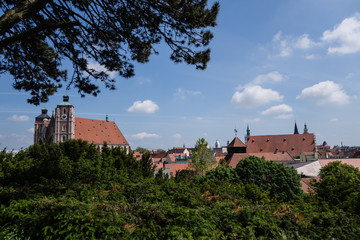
284, 140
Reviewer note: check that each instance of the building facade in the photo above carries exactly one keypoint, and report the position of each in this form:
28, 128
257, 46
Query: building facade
63, 125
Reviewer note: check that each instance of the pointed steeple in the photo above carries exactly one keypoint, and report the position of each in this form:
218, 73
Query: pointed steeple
296, 131
247, 136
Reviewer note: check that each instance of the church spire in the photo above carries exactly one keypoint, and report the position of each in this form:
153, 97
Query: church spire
296, 131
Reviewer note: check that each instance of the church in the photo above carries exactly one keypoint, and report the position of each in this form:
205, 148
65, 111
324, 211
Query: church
63, 125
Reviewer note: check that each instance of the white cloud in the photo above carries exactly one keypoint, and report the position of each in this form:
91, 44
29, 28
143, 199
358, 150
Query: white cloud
270, 77
287, 44
310, 57
304, 42
325, 92
285, 116
177, 136
279, 109
144, 135
146, 106
334, 120
100, 68
19, 118
183, 93
346, 36
254, 95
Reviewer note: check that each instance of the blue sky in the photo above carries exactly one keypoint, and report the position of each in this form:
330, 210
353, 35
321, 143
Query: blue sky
272, 63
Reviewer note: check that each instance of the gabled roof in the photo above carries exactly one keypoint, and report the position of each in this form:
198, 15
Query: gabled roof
355, 162
276, 157
292, 143
98, 131
236, 142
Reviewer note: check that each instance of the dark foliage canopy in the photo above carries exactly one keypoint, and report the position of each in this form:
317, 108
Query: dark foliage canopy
72, 190
36, 36
282, 182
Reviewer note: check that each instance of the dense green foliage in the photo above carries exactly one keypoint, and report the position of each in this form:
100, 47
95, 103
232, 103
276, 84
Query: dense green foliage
340, 186
282, 182
201, 159
71, 191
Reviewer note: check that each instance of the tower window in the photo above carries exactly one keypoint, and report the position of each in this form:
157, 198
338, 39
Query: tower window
64, 111
63, 127
63, 138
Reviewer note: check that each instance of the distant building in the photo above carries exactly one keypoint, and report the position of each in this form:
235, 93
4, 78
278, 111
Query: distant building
286, 148
63, 125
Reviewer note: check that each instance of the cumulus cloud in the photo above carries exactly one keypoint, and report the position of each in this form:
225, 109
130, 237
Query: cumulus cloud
254, 95
144, 135
183, 93
346, 36
270, 77
325, 92
177, 136
279, 109
19, 118
146, 106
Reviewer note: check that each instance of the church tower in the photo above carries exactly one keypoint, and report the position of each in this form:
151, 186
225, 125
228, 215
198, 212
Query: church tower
64, 127
41, 124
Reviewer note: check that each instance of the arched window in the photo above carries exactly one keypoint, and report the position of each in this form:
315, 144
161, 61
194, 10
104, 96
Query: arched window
63, 128
63, 138
64, 111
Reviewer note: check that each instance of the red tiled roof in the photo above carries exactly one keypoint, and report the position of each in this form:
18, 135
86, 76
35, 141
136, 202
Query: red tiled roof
355, 162
174, 167
306, 186
276, 157
292, 143
98, 131
236, 142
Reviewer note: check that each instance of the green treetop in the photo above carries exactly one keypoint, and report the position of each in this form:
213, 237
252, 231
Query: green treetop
201, 159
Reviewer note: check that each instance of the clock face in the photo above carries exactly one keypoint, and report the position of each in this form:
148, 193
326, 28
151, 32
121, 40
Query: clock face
64, 116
